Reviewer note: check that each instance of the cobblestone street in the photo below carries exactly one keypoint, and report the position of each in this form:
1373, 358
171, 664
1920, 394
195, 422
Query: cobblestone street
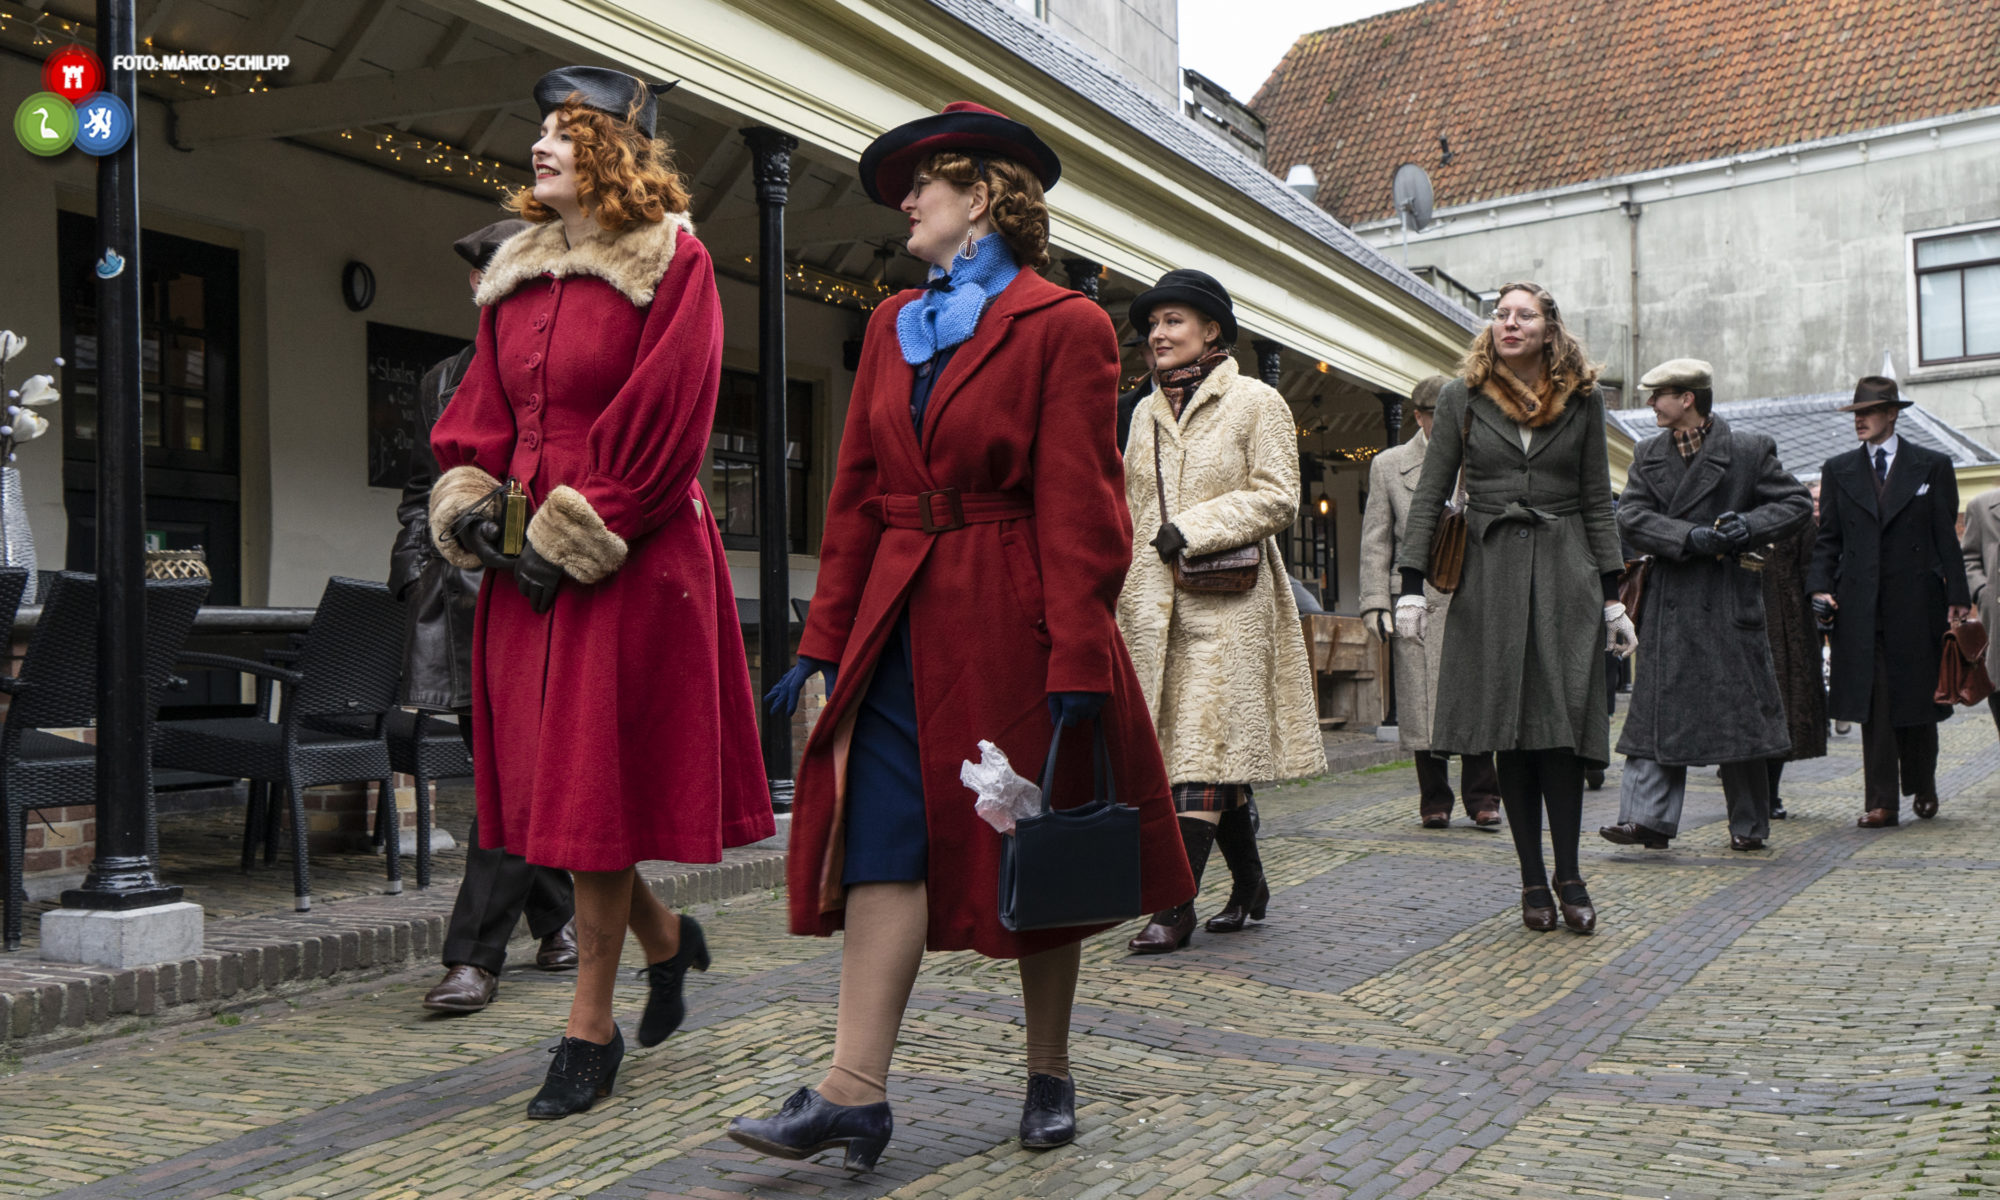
1812, 1020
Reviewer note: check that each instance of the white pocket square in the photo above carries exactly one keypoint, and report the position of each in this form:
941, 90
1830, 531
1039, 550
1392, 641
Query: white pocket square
1924, 490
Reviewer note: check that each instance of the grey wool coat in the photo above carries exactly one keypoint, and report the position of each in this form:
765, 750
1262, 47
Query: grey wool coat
1525, 647
1392, 483
1706, 690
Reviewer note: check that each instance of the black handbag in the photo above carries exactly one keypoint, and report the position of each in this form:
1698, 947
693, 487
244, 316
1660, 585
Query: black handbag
1074, 866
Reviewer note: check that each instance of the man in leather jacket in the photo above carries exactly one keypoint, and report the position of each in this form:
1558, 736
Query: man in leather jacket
437, 675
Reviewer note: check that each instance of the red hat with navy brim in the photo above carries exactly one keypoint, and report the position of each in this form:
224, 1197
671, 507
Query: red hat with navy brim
890, 162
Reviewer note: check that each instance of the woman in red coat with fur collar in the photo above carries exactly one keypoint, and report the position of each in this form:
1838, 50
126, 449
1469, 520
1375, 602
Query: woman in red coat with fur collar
612, 713
976, 541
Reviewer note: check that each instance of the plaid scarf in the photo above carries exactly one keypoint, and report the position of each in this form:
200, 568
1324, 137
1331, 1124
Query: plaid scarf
1688, 441
1180, 384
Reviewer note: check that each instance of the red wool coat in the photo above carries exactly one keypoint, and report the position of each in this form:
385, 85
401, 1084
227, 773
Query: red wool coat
1001, 612
618, 726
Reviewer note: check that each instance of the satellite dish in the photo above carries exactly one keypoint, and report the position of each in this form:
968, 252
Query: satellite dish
1412, 190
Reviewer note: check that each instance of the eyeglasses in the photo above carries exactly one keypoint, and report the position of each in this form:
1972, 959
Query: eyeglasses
1526, 316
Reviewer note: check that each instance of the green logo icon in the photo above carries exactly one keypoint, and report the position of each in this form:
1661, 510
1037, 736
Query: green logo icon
45, 123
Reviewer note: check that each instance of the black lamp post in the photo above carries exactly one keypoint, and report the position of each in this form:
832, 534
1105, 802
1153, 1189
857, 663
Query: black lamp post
771, 171
122, 876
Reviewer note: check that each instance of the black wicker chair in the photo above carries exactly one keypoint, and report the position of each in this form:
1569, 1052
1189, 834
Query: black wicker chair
57, 689
331, 724
426, 749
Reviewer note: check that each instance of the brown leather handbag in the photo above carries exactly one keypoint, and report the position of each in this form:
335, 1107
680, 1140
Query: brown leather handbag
1962, 667
1225, 572
1632, 585
1447, 567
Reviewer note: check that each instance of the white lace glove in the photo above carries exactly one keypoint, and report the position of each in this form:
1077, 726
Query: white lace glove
1619, 635
1379, 620
1410, 615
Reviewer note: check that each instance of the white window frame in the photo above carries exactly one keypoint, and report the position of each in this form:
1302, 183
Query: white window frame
1915, 319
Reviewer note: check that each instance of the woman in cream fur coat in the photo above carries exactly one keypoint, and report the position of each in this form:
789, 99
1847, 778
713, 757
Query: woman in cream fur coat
1226, 675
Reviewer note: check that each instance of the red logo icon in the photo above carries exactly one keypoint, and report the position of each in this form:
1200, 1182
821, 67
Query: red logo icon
73, 73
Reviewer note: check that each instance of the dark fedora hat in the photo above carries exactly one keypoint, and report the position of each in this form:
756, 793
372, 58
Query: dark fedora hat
478, 246
1198, 290
1874, 391
613, 93
890, 161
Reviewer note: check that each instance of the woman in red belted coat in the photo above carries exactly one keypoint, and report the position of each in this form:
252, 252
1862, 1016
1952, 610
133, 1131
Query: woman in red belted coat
612, 714
976, 542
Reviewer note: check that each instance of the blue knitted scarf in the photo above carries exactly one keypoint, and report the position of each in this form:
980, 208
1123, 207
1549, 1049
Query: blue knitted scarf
948, 311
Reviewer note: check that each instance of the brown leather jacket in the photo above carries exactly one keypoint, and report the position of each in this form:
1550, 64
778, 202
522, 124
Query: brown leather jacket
439, 598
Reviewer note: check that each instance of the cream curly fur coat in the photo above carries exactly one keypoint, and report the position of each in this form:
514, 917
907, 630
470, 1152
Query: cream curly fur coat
1226, 676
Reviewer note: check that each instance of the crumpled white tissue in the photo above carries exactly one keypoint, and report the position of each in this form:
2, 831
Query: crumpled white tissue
1004, 797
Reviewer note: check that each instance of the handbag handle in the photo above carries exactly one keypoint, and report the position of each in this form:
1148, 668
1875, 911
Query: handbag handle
1106, 788
1159, 478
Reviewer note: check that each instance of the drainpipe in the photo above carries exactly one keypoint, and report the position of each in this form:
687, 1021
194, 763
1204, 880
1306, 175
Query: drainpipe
1632, 211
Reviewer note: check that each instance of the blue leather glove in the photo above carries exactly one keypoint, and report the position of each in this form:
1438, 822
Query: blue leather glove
1074, 708
785, 697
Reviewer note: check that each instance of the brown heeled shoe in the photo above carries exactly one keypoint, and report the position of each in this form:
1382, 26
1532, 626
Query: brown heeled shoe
1539, 917
1576, 908
1168, 931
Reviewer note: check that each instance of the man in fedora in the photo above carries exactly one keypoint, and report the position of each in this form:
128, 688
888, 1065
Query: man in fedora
439, 599
1701, 499
1392, 486
1888, 573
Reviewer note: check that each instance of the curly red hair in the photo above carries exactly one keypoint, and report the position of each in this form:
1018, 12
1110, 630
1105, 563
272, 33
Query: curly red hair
623, 177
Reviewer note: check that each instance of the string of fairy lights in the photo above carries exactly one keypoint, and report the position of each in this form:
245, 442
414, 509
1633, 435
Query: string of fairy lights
810, 282
410, 150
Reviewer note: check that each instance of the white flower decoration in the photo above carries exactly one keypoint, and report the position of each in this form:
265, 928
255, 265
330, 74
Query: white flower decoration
11, 343
29, 426
39, 389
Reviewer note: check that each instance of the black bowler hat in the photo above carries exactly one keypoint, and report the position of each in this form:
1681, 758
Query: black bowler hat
613, 93
1198, 290
1874, 391
890, 161
478, 246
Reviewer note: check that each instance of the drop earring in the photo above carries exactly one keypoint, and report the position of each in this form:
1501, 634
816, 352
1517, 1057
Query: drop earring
970, 250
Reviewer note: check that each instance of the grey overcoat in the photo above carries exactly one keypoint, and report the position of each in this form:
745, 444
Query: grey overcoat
1524, 652
1706, 690
1392, 482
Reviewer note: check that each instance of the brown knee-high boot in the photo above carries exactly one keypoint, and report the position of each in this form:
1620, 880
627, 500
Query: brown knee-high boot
1170, 929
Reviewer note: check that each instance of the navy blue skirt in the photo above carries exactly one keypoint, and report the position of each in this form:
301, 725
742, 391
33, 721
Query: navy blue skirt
886, 837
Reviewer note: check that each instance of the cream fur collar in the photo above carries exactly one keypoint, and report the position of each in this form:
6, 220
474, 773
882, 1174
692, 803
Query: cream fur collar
632, 260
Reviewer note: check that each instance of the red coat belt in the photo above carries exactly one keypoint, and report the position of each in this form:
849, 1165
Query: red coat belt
947, 508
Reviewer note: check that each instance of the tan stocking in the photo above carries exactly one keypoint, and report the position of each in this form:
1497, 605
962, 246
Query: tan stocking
884, 943
1048, 988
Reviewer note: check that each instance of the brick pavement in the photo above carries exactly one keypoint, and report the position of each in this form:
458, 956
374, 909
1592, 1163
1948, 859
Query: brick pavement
1812, 1020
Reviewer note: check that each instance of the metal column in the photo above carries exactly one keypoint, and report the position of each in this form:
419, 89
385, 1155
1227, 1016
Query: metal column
1085, 275
771, 153
123, 875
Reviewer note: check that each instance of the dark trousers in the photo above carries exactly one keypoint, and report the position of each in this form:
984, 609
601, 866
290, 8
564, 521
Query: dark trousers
1476, 779
1891, 753
498, 887
1993, 706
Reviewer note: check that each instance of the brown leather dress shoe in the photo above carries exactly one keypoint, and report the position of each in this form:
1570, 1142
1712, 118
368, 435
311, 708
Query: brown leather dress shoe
1538, 909
1877, 818
1168, 931
1745, 843
1578, 913
464, 989
1437, 821
558, 951
1630, 833
1487, 819
1925, 805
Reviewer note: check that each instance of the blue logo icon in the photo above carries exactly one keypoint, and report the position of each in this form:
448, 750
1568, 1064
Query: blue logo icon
103, 124
111, 265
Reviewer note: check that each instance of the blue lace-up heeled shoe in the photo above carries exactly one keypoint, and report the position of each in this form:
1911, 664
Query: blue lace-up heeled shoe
809, 1123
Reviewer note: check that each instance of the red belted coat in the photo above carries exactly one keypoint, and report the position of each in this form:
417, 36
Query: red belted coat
1016, 603
618, 726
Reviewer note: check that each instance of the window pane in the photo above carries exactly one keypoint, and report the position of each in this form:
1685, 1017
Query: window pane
1939, 316
149, 407
1982, 310
732, 493
184, 300
1965, 247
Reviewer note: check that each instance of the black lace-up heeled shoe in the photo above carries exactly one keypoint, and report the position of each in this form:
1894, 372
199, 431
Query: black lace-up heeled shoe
1048, 1115
580, 1076
665, 1007
809, 1123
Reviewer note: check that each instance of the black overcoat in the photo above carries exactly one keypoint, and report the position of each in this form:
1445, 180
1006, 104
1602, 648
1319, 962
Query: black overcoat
1893, 565
1705, 690
439, 599
1796, 643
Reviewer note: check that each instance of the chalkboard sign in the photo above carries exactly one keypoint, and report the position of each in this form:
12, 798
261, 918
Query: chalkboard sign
397, 360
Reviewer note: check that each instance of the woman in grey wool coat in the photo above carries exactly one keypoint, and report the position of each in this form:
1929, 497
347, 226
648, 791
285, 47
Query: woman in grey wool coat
1537, 605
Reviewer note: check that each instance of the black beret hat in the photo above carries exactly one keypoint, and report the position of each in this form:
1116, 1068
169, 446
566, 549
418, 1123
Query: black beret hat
613, 93
478, 246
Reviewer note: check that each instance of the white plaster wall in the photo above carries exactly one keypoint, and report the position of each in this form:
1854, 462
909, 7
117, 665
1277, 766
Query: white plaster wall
1788, 287
1139, 37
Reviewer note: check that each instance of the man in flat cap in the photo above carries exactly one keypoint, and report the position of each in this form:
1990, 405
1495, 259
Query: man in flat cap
1392, 487
1888, 574
1702, 499
437, 675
